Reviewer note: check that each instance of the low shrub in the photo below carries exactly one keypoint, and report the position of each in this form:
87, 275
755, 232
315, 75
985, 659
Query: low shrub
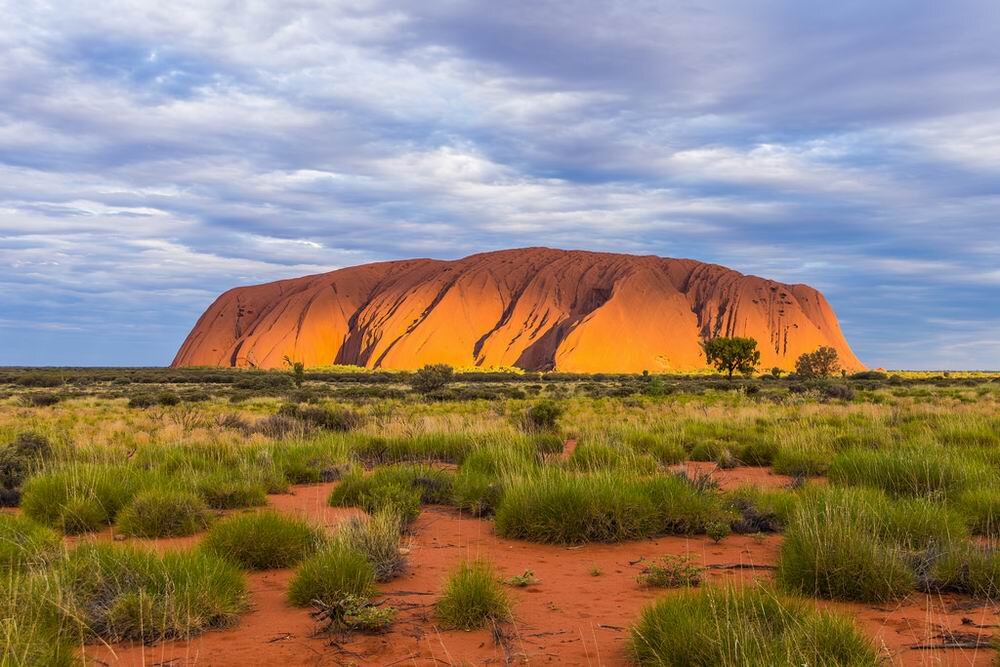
163, 513
753, 625
542, 416
263, 540
18, 460
712, 450
331, 574
671, 572
473, 598
377, 538
39, 399
25, 544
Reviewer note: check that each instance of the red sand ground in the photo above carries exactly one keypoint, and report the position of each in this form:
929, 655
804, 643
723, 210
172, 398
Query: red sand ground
569, 618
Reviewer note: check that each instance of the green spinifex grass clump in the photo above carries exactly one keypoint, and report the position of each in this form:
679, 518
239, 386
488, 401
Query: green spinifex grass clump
163, 512
968, 568
557, 506
858, 544
33, 632
25, 544
479, 484
377, 538
331, 574
322, 460
223, 491
595, 456
926, 471
731, 627
263, 540
81, 497
445, 447
473, 597
118, 592
981, 508
400, 488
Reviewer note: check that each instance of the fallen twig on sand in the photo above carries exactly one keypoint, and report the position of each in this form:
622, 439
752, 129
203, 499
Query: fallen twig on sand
740, 566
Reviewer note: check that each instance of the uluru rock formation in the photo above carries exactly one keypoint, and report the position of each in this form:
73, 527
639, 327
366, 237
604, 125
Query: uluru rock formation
535, 308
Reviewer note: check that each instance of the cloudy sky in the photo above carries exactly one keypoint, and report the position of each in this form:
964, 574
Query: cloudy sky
153, 154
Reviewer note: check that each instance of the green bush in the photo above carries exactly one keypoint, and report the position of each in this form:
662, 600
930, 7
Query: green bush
733, 627
542, 416
121, 593
263, 540
473, 598
331, 574
25, 544
163, 513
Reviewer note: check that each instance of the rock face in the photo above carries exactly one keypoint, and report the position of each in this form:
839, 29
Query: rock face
535, 308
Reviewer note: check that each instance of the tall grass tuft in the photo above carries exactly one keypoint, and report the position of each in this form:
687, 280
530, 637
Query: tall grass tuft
331, 574
399, 488
121, 592
858, 544
732, 627
159, 512
79, 498
473, 598
908, 472
25, 544
263, 540
561, 507
377, 538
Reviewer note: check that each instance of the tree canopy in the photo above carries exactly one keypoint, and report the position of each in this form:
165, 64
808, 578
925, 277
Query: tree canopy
730, 355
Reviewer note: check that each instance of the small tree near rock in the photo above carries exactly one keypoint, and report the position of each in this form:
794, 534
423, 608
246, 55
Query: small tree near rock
431, 378
823, 362
731, 355
298, 370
